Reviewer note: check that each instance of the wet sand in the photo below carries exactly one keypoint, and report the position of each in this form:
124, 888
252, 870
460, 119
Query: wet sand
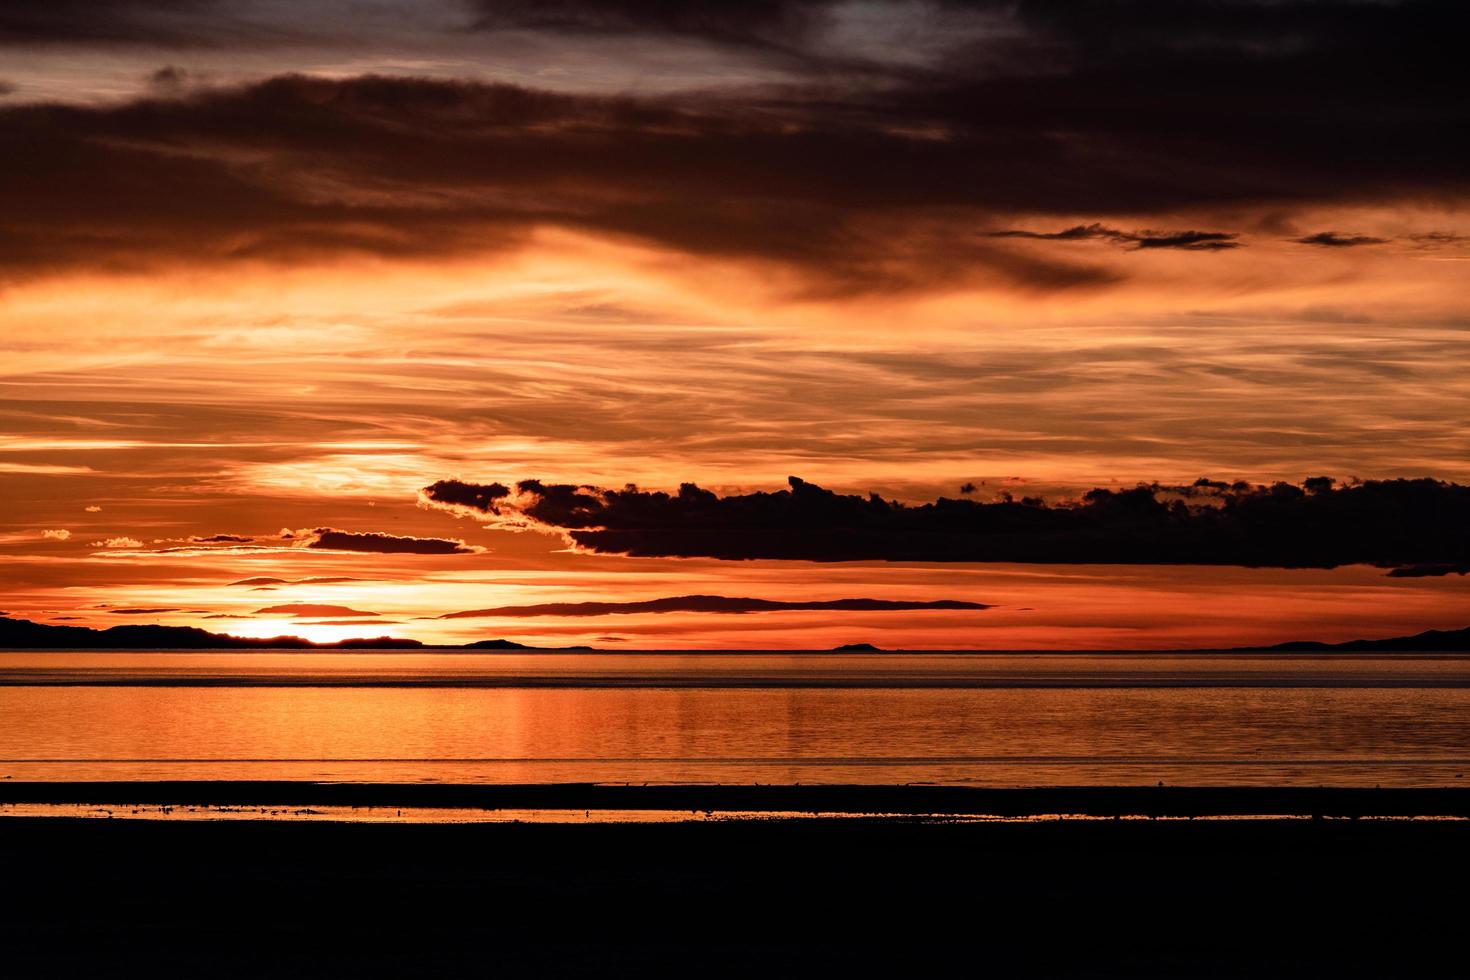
815, 897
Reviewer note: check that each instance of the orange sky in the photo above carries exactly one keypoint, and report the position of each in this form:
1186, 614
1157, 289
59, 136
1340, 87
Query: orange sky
365, 318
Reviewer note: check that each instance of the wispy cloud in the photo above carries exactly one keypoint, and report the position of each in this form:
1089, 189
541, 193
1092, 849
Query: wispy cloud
727, 605
1189, 241
1332, 239
374, 542
310, 609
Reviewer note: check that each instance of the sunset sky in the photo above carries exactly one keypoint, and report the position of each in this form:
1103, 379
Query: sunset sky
268, 270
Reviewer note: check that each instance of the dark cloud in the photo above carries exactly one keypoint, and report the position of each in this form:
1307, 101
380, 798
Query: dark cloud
1331, 239
471, 496
710, 604
1209, 100
314, 580
1074, 234
753, 23
332, 539
169, 76
1137, 107
1430, 571
298, 168
222, 539
164, 23
6, 88
1194, 241
311, 609
148, 610
171, 79
1317, 525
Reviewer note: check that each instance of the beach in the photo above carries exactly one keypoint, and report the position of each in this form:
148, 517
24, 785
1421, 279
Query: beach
896, 896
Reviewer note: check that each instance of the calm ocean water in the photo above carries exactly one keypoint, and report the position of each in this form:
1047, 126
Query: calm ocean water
972, 719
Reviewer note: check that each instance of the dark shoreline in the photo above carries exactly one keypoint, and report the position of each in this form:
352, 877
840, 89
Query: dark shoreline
816, 898
909, 800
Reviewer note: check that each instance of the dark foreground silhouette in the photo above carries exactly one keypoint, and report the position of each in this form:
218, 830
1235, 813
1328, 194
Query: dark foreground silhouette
778, 899
906, 800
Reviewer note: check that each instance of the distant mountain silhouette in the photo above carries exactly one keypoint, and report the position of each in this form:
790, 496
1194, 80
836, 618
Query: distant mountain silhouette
26, 635
1430, 641
21, 633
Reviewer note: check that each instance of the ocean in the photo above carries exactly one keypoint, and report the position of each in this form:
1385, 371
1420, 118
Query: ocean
976, 719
